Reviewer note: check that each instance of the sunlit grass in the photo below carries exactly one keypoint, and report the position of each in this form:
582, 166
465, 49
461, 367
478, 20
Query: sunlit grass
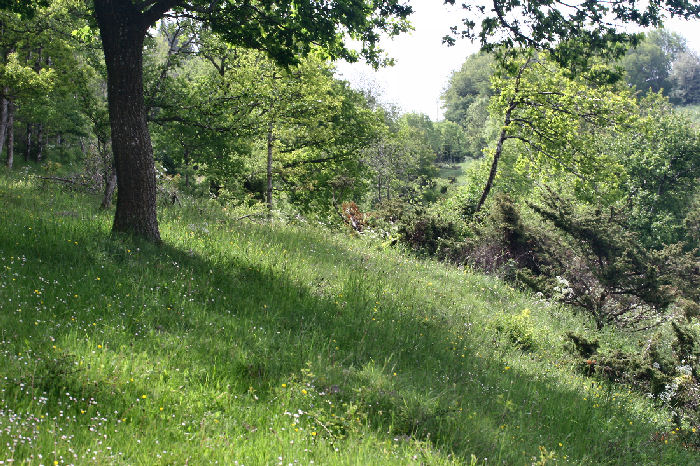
266, 343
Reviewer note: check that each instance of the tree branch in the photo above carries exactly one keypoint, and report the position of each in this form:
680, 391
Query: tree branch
296, 163
158, 9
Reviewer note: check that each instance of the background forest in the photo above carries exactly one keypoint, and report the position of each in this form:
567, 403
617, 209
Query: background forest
579, 189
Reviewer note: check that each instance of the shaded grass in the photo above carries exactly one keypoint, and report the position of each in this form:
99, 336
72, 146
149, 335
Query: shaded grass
237, 341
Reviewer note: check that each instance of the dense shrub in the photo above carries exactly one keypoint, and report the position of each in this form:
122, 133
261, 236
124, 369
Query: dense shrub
504, 244
610, 274
428, 234
666, 369
583, 256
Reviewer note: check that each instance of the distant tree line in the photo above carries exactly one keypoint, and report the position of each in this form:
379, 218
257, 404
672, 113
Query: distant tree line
661, 62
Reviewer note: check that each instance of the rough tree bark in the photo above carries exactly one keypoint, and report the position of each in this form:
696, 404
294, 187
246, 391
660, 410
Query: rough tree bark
123, 29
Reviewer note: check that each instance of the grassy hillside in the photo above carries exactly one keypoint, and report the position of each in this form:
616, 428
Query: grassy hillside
283, 344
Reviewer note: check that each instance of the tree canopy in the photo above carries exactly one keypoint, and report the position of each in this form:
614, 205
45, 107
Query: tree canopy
573, 31
285, 29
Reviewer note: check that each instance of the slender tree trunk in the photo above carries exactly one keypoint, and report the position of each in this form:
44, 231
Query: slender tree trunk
123, 29
494, 165
512, 105
187, 166
270, 140
28, 143
110, 186
379, 188
38, 128
39, 142
4, 117
11, 136
215, 188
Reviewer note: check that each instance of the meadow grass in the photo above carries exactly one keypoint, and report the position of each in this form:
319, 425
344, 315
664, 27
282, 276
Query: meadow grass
456, 171
272, 343
692, 111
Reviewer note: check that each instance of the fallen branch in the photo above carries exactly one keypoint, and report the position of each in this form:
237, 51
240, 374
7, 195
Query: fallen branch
75, 181
255, 214
56, 178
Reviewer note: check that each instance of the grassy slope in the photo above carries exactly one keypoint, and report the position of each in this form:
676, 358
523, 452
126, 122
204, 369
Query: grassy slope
270, 343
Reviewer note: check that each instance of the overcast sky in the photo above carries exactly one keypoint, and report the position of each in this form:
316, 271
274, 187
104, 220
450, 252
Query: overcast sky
424, 64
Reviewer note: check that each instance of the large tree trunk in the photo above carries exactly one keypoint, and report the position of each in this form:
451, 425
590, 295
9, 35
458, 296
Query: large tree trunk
123, 29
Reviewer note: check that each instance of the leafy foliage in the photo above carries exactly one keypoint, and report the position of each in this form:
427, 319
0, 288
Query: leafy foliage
559, 118
660, 150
